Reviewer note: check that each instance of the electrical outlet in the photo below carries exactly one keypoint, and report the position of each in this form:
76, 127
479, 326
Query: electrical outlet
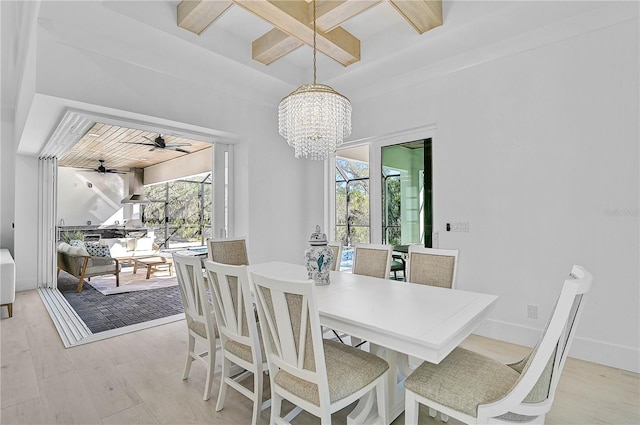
532, 311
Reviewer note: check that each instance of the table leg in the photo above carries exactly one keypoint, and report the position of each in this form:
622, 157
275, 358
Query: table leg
135, 266
149, 270
395, 390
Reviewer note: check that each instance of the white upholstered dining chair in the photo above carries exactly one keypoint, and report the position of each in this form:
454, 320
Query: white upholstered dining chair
239, 338
228, 251
199, 316
430, 266
476, 389
336, 248
372, 260
318, 375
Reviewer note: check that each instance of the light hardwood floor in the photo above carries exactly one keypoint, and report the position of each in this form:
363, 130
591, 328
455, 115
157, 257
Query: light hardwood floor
136, 379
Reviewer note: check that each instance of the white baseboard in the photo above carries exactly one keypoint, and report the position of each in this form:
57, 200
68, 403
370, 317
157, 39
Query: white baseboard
618, 356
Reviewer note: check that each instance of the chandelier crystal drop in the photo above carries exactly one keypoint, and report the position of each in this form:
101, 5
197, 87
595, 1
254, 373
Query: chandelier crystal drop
314, 119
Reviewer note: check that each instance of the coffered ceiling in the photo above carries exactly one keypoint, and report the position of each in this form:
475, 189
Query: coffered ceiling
238, 38
293, 23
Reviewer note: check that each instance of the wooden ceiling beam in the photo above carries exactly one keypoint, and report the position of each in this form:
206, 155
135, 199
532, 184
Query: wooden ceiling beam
197, 15
331, 14
422, 15
293, 17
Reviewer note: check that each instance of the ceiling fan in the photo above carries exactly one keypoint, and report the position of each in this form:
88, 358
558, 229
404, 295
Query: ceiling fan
159, 143
104, 170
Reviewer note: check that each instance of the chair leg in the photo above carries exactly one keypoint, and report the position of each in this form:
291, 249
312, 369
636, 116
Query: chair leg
276, 406
410, 408
257, 395
222, 392
187, 366
80, 282
211, 366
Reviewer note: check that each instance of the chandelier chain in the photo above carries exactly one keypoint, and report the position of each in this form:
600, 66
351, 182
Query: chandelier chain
314, 41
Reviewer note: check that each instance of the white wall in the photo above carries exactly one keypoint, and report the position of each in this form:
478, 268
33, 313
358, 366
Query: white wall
538, 151
100, 204
26, 219
182, 166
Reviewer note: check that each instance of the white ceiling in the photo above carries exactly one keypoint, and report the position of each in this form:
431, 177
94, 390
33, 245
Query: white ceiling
393, 54
390, 47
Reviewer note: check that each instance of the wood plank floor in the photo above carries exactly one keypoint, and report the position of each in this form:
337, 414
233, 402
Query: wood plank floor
136, 379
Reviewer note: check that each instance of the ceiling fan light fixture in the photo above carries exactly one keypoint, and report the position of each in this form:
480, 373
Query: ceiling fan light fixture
314, 119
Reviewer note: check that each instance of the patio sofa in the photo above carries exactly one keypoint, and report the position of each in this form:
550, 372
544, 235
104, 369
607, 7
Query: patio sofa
76, 261
127, 249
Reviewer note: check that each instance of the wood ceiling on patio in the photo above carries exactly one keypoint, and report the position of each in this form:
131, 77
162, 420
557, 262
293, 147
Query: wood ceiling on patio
293, 22
117, 147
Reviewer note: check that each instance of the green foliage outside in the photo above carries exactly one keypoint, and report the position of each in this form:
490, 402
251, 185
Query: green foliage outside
358, 214
391, 202
189, 213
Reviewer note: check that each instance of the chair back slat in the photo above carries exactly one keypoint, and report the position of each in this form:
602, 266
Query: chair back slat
228, 251
191, 284
233, 307
291, 329
336, 248
433, 267
372, 260
534, 391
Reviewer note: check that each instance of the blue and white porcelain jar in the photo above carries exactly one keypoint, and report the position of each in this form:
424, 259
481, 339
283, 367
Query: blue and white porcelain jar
319, 258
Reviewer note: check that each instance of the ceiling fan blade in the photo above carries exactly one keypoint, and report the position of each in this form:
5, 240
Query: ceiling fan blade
138, 143
180, 150
175, 145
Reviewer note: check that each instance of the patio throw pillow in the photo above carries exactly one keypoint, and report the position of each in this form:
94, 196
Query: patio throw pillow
76, 242
96, 250
78, 250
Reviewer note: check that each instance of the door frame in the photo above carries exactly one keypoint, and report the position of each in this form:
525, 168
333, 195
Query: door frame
375, 144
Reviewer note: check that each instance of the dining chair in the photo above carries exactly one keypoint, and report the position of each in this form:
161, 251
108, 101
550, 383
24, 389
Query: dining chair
199, 317
430, 266
476, 389
372, 260
318, 375
240, 342
336, 248
228, 251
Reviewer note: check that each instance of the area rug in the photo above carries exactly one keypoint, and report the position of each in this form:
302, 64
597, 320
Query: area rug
130, 282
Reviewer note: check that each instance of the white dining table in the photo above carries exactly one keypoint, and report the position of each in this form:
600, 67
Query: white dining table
398, 319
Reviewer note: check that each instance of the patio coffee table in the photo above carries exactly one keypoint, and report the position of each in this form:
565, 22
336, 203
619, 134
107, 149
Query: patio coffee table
153, 264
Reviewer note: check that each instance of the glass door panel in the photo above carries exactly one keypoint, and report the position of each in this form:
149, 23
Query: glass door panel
407, 215
352, 201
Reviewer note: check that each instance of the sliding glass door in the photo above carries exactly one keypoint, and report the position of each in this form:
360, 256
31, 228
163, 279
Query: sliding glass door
407, 211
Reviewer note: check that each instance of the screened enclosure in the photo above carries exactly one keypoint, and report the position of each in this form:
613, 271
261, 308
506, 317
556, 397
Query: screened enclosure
180, 211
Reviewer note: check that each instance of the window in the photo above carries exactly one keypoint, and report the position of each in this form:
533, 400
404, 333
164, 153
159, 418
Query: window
180, 211
352, 201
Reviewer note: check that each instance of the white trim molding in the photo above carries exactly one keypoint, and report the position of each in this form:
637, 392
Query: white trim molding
613, 355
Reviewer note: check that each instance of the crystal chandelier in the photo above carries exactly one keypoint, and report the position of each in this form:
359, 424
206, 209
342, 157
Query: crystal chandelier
315, 119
